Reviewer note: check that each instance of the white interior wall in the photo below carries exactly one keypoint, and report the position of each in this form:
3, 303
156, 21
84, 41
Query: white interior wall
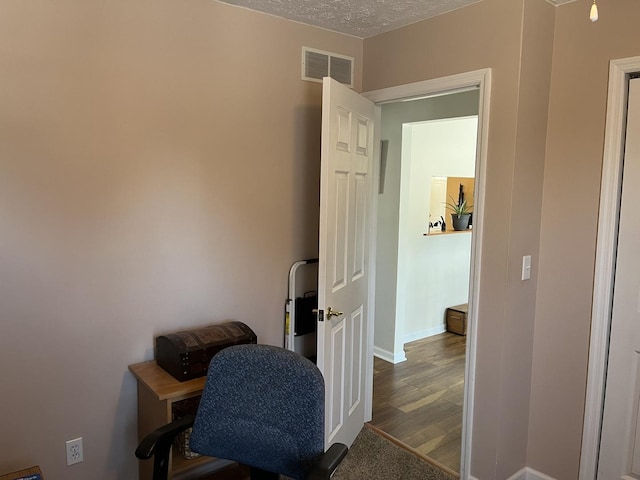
433, 271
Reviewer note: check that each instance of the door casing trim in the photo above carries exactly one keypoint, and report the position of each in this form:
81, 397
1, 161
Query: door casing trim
480, 79
610, 187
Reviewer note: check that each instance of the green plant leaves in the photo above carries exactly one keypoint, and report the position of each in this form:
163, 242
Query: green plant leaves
459, 208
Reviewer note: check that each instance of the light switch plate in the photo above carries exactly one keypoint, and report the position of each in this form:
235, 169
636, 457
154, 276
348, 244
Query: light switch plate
526, 267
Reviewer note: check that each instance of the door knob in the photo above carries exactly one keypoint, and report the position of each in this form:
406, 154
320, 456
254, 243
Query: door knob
329, 313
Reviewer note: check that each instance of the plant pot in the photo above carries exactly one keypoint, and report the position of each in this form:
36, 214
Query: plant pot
460, 222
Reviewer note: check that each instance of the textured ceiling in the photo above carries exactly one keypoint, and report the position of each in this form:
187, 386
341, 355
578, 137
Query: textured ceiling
360, 18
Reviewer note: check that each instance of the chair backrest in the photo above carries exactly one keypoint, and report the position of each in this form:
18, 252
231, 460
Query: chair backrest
262, 406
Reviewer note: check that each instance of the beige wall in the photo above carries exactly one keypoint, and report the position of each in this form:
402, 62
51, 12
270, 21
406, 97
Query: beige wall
533, 342
158, 171
495, 34
582, 52
533, 99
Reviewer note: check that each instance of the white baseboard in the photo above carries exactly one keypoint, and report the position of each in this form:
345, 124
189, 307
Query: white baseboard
529, 474
400, 356
429, 332
524, 474
388, 356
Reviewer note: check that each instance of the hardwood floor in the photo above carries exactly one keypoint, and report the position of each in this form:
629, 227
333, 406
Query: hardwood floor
419, 401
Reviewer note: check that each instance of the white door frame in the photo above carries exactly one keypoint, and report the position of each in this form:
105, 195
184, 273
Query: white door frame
440, 86
611, 185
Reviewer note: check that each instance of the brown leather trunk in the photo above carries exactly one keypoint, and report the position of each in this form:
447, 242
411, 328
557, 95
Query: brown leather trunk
186, 355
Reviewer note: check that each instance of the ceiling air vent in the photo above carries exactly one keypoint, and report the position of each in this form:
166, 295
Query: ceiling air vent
317, 64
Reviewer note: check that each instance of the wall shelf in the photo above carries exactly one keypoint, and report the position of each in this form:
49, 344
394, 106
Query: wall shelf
447, 232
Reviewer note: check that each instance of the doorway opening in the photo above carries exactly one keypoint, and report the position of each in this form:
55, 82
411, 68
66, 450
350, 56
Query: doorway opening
419, 369
402, 288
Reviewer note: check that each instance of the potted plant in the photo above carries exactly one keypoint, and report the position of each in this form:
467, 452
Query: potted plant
460, 214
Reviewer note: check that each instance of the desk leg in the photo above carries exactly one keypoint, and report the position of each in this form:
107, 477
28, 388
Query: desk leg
152, 414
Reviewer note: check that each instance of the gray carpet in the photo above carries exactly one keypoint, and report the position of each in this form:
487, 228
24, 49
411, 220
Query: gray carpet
373, 457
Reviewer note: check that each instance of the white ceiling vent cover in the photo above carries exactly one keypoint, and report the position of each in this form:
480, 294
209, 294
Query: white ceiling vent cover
317, 64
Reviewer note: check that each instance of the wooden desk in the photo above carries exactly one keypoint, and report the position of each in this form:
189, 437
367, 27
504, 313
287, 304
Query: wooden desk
157, 392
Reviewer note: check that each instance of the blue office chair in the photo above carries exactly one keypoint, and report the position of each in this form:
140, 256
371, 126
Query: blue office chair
263, 407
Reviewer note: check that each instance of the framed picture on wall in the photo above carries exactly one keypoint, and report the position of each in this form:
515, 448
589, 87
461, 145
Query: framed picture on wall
32, 473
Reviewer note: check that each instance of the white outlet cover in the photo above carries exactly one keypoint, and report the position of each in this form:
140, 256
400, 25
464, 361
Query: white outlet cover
75, 452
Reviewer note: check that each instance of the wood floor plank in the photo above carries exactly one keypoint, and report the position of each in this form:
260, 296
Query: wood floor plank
419, 401
448, 455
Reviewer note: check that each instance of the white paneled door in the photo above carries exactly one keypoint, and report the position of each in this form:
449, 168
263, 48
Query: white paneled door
343, 285
620, 440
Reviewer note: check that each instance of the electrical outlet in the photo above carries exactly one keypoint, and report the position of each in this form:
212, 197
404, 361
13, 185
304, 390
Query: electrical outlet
74, 451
